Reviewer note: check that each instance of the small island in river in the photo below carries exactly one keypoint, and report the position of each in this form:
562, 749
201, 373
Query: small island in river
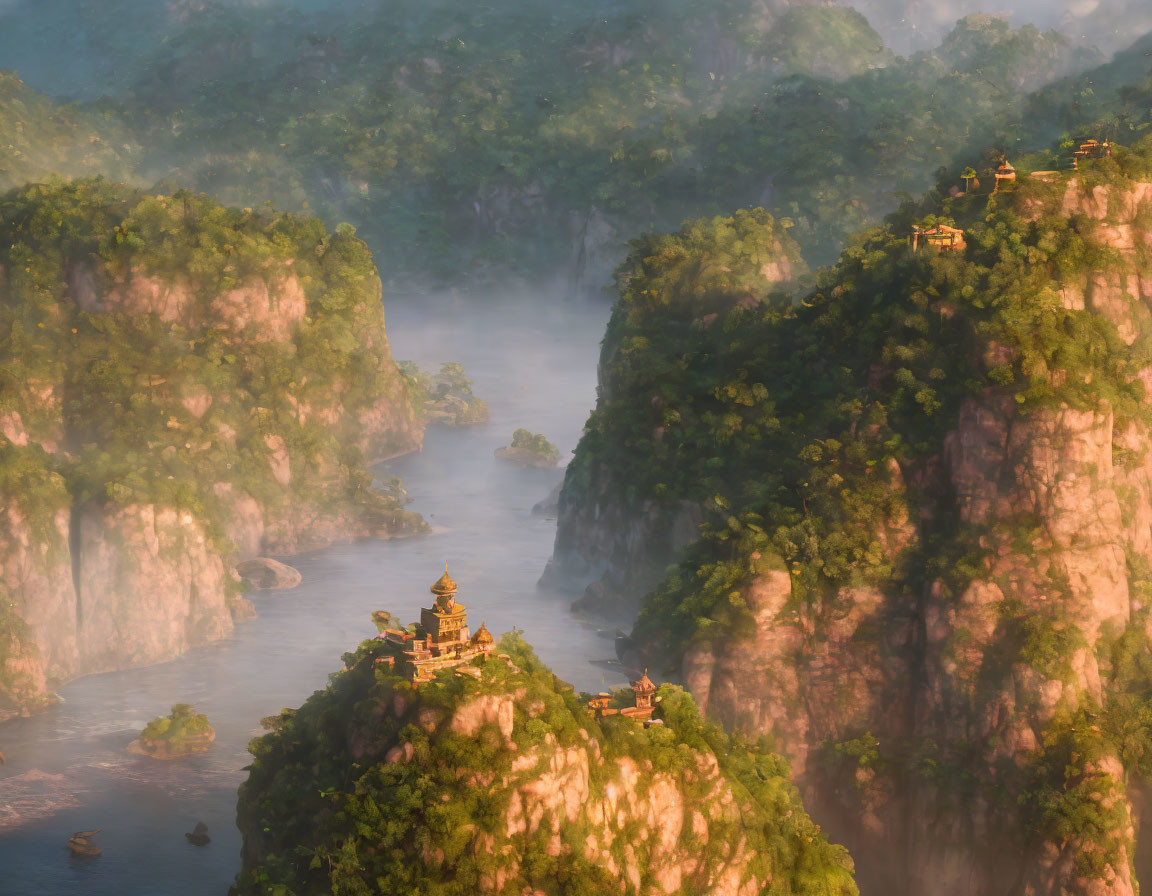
180, 734
530, 449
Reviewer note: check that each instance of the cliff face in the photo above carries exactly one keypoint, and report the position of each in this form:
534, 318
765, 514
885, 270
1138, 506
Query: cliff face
184, 386
934, 594
506, 783
622, 522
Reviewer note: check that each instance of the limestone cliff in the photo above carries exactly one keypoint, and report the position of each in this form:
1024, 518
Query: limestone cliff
931, 585
506, 783
183, 385
621, 524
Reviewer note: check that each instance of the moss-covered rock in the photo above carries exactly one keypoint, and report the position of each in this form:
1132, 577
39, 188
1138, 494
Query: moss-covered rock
506, 782
174, 736
445, 397
529, 449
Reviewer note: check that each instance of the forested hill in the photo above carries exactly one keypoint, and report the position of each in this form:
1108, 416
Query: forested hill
39, 137
453, 141
925, 492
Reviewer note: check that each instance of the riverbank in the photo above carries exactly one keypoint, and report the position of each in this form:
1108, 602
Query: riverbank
67, 769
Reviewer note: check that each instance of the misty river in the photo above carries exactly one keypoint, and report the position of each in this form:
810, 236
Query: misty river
67, 770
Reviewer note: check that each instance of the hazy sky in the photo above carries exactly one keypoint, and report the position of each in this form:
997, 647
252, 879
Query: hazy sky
916, 24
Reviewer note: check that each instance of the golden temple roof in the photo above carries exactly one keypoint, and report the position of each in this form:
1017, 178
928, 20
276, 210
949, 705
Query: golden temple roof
645, 685
444, 584
483, 636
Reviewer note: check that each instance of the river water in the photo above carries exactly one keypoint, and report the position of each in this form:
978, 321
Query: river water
67, 769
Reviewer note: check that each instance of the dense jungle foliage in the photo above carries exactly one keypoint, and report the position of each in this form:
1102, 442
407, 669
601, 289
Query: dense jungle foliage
451, 143
40, 138
124, 377
781, 418
368, 788
790, 422
180, 730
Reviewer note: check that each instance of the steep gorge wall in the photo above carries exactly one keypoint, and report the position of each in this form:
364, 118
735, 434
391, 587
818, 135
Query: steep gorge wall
957, 728
618, 532
922, 563
210, 394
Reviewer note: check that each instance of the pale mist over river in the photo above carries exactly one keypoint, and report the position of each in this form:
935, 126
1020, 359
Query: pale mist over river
67, 770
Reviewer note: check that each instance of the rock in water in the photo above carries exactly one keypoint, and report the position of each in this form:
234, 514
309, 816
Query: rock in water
529, 450
266, 574
182, 733
80, 843
199, 835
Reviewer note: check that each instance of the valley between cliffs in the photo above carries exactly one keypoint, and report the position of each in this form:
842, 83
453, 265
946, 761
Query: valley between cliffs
925, 561
184, 385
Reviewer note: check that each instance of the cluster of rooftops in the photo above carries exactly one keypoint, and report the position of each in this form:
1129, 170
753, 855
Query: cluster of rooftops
951, 239
442, 640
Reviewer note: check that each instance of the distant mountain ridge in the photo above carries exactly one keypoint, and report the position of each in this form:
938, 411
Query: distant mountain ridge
452, 141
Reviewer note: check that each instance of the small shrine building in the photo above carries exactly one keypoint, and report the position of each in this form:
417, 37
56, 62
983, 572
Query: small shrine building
644, 692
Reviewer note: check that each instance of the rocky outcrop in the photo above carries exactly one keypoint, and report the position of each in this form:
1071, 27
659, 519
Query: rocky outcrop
525, 458
180, 734
612, 553
548, 507
105, 588
520, 786
203, 395
266, 574
959, 719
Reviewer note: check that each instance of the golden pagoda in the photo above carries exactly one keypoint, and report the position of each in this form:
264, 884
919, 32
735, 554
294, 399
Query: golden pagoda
445, 623
1004, 174
483, 637
441, 639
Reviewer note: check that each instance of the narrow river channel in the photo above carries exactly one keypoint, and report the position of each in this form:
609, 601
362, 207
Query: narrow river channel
67, 769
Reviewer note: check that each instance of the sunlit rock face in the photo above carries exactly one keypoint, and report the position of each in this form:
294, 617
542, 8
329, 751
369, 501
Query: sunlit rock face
503, 781
928, 576
185, 385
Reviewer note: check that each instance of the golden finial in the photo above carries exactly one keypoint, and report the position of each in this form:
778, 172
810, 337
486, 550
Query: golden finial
444, 585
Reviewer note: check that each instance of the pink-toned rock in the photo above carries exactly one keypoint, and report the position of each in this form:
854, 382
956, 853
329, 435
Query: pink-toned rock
266, 574
487, 710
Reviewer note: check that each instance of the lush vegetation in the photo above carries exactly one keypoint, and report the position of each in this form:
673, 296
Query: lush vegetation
784, 419
445, 397
182, 732
127, 377
535, 443
808, 430
455, 141
39, 138
368, 788
156, 403
530, 448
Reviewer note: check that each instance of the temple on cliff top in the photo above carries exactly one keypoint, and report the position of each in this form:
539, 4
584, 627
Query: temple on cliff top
643, 692
440, 640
